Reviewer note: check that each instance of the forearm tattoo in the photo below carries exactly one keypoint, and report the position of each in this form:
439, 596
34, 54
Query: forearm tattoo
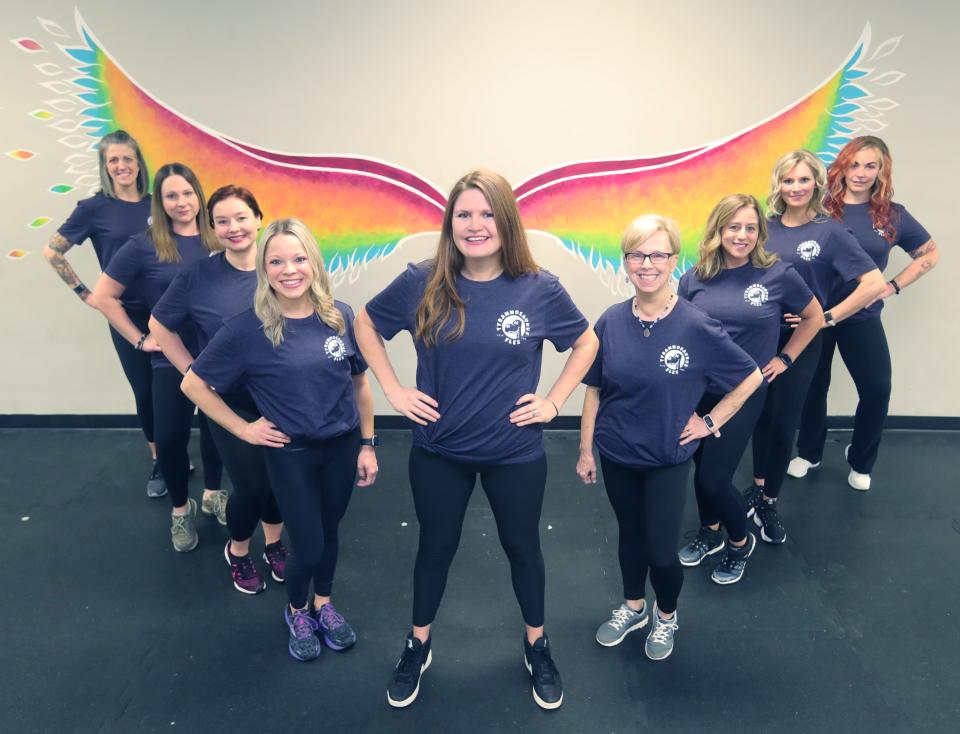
924, 249
59, 245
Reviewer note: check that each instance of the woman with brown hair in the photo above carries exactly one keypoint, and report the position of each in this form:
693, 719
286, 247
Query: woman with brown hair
478, 312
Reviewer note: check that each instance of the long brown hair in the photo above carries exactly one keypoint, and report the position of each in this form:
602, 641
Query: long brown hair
882, 213
440, 298
161, 231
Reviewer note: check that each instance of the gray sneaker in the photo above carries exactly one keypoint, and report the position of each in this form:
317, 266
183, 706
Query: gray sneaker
660, 640
622, 622
156, 487
707, 542
216, 506
734, 561
183, 528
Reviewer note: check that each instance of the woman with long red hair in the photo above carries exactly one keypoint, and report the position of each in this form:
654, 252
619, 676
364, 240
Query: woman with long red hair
860, 195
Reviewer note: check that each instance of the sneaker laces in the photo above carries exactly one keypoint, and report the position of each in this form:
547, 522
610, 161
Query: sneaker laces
243, 567
768, 514
408, 668
543, 667
663, 629
620, 617
330, 618
301, 624
179, 524
275, 553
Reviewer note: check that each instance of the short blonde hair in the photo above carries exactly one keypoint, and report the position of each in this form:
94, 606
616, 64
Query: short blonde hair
643, 228
775, 202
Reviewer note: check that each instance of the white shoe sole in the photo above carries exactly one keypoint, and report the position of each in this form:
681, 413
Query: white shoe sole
633, 628
860, 482
753, 547
413, 696
539, 701
799, 467
688, 564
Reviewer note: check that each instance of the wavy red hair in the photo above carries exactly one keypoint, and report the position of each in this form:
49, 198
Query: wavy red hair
882, 213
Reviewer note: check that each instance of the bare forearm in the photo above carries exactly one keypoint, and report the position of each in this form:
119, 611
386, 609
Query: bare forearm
375, 352
212, 405
364, 397
732, 402
581, 357
588, 418
925, 259
171, 345
811, 321
113, 310
54, 253
869, 288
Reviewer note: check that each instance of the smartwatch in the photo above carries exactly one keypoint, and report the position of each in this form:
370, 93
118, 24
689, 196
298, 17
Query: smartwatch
709, 423
828, 317
372, 441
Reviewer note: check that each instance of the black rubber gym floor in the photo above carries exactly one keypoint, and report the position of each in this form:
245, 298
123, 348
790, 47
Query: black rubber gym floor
851, 626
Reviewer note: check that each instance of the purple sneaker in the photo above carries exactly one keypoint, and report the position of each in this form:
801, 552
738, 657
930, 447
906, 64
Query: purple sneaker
303, 643
246, 577
275, 555
337, 632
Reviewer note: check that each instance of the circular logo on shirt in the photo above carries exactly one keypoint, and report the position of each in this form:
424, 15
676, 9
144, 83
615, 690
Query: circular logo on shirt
513, 326
335, 348
674, 359
808, 250
150, 221
756, 295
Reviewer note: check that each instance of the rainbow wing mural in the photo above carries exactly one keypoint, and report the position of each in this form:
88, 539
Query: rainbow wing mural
360, 209
588, 205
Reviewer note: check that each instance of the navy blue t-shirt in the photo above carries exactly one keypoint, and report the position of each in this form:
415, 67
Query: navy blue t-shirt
303, 387
824, 253
108, 224
205, 295
650, 386
749, 302
136, 266
478, 378
910, 235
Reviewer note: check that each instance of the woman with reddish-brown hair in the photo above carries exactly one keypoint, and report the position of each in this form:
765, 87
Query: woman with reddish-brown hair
860, 195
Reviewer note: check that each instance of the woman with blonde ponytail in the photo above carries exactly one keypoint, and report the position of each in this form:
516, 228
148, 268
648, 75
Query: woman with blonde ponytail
295, 352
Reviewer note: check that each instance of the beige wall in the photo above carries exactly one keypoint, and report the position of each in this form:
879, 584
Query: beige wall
439, 87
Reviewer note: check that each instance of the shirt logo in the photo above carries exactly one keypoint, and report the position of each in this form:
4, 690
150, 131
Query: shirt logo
150, 221
756, 295
674, 359
335, 348
808, 250
513, 326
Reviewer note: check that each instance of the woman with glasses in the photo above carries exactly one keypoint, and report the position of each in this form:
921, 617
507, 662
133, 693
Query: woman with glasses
658, 355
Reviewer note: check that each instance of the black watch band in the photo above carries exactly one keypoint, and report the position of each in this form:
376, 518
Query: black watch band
785, 358
372, 441
708, 420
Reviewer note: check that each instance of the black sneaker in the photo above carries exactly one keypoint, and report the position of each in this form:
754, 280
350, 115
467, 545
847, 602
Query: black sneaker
707, 542
767, 519
156, 487
547, 688
751, 497
731, 567
405, 682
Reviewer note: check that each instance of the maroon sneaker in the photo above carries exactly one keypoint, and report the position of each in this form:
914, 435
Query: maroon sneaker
246, 577
275, 555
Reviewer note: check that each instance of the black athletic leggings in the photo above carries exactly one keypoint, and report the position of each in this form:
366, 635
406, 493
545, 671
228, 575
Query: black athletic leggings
864, 350
252, 498
137, 369
441, 492
777, 426
649, 507
172, 420
313, 481
716, 461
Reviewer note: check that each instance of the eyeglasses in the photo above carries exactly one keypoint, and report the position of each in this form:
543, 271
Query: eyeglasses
657, 258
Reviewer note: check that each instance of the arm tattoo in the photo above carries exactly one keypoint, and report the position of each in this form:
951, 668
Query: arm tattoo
59, 245
924, 249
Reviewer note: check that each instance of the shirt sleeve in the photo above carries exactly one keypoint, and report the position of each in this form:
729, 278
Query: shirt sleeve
728, 365
796, 293
910, 233
124, 267
565, 323
221, 363
683, 287
173, 308
357, 363
79, 224
393, 309
850, 260
595, 373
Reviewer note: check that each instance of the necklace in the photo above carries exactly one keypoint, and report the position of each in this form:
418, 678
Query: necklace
647, 327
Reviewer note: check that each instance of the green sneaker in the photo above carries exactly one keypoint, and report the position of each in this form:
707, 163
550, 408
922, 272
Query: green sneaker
660, 640
183, 529
216, 506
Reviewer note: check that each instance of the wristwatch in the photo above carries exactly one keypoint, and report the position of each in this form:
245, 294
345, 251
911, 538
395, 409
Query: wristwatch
828, 317
709, 422
372, 441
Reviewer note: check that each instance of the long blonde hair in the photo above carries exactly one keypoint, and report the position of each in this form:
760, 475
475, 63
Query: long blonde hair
711, 251
775, 203
160, 229
265, 303
440, 298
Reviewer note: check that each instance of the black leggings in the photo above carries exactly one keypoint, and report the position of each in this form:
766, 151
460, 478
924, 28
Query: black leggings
252, 498
139, 373
777, 426
716, 461
173, 416
441, 492
313, 482
863, 347
649, 508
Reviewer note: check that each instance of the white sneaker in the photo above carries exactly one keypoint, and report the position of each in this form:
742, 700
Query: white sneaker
855, 479
799, 467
